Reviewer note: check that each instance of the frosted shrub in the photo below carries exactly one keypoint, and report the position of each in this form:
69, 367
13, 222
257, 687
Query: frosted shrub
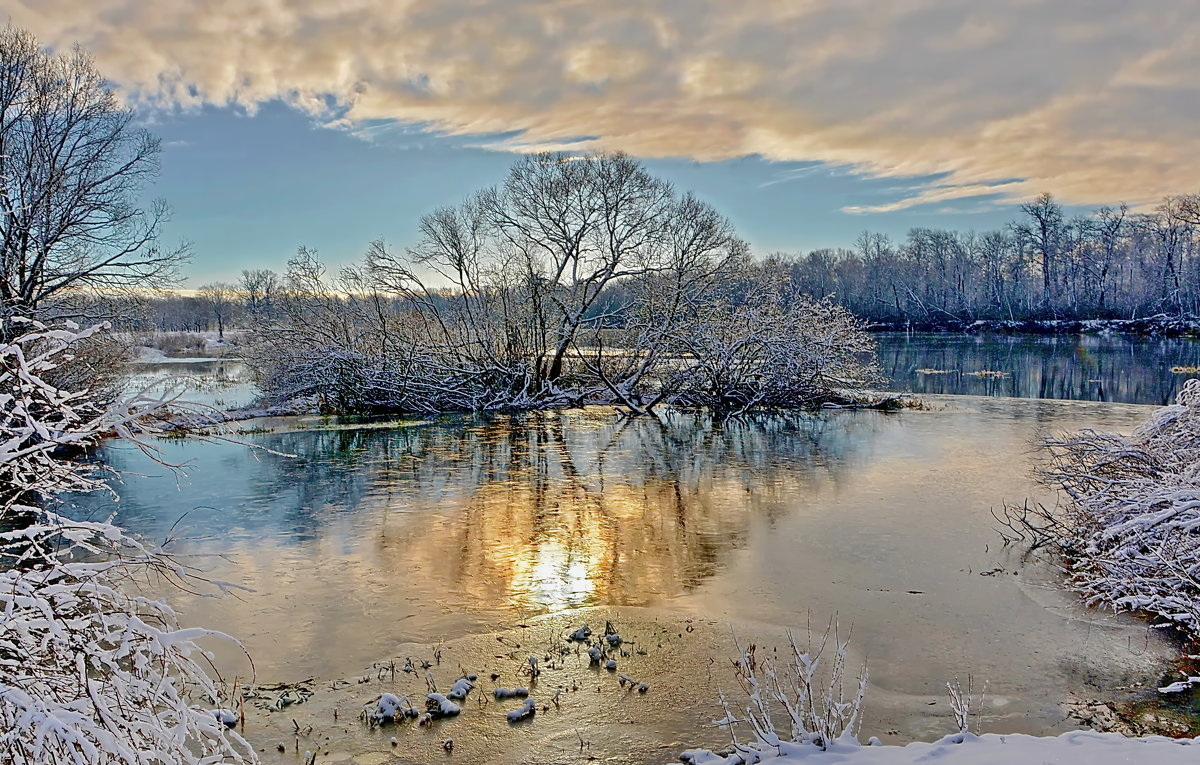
89, 673
807, 693
1131, 522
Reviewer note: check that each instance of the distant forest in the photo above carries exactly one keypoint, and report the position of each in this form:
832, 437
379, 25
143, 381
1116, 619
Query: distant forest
1111, 264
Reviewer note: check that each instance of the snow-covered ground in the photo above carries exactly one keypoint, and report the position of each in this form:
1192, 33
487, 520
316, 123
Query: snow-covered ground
1087, 747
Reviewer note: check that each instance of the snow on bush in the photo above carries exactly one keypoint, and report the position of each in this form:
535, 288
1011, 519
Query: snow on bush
89, 673
389, 708
439, 705
809, 692
462, 687
1130, 527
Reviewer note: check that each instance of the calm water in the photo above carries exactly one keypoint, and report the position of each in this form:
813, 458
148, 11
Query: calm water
372, 537
221, 383
1081, 367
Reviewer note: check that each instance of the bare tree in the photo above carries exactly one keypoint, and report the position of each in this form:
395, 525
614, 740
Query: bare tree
72, 168
220, 300
1111, 264
534, 267
261, 286
1172, 233
576, 281
1110, 228
1044, 232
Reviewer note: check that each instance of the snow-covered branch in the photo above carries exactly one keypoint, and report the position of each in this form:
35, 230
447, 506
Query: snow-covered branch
89, 671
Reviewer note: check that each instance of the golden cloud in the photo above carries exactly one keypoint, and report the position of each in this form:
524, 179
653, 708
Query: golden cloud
1094, 100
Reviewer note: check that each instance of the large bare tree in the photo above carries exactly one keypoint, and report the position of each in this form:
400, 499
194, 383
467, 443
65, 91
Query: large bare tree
73, 164
551, 259
577, 280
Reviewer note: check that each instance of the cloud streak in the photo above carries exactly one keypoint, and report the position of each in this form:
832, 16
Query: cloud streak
1094, 100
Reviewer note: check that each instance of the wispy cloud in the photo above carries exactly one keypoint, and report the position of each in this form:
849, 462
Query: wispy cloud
796, 173
1091, 99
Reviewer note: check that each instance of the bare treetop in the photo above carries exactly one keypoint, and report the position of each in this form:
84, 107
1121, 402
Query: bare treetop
72, 166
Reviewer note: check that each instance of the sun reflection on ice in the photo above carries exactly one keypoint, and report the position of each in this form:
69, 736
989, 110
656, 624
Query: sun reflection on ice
554, 578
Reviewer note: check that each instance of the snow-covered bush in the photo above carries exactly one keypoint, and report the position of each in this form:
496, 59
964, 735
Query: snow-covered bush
89, 671
1130, 526
808, 694
771, 348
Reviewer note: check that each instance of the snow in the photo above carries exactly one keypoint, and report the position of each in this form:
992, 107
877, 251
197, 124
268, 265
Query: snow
1147, 326
389, 708
525, 710
1180, 686
1088, 747
461, 688
1132, 511
438, 704
226, 717
626, 680
104, 675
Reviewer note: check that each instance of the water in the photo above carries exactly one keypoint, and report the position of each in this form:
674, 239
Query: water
1081, 367
372, 540
220, 382
362, 542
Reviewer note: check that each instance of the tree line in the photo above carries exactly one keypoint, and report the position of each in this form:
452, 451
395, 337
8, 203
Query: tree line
1114, 263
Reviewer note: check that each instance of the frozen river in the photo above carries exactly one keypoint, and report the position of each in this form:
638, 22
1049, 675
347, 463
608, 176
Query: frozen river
366, 542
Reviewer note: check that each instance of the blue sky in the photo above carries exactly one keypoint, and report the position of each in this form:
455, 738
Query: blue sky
247, 190
290, 122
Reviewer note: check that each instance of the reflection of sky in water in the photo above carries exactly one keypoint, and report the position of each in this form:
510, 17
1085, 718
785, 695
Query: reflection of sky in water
1082, 367
223, 383
371, 537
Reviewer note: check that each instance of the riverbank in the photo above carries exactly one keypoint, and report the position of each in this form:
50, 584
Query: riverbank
584, 710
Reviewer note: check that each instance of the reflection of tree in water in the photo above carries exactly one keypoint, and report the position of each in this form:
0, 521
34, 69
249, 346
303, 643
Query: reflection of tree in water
556, 510
1085, 367
530, 512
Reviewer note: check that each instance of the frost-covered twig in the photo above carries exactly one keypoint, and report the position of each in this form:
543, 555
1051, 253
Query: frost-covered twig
810, 690
962, 702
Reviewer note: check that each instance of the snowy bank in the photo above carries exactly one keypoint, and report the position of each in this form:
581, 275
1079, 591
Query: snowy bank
1129, 524
968, 749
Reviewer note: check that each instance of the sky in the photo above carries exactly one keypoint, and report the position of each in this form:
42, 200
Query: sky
330, 124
